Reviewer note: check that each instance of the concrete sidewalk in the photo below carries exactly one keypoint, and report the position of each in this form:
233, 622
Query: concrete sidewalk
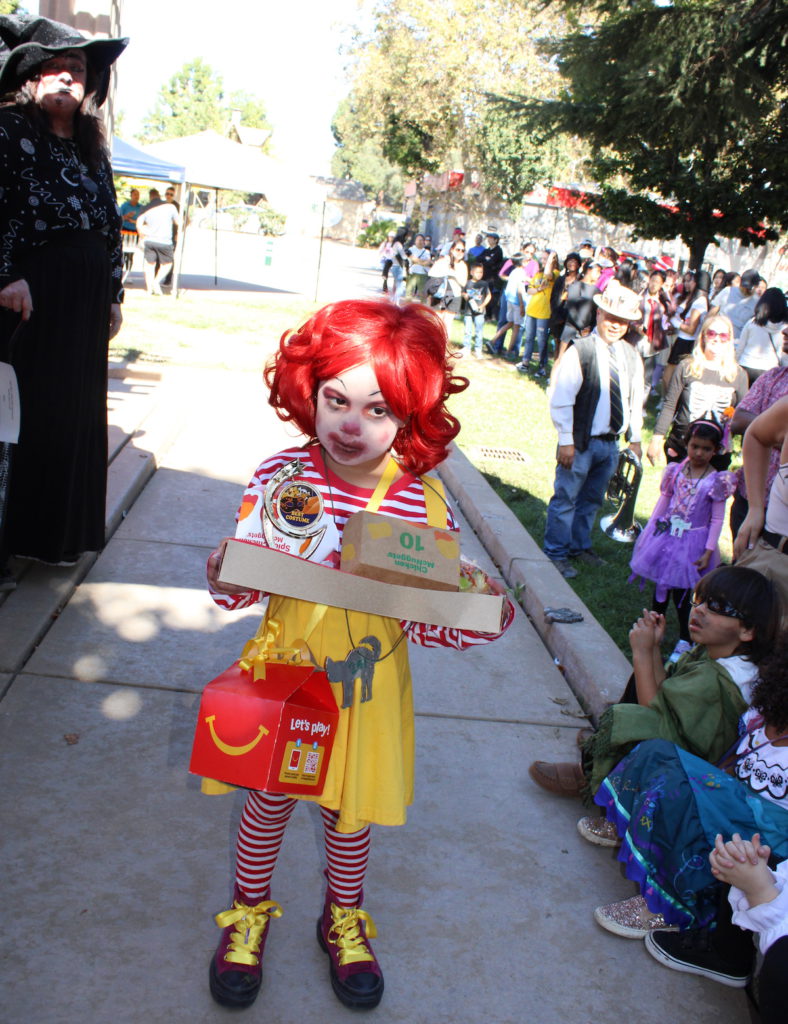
114, 863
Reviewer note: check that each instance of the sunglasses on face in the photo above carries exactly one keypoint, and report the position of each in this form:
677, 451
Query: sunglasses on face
717, 336
718, 606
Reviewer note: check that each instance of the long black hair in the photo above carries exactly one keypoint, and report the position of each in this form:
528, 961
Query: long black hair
88, 126
772, 308
770, 694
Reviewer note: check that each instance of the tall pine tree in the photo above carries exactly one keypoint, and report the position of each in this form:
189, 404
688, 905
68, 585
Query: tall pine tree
684, 106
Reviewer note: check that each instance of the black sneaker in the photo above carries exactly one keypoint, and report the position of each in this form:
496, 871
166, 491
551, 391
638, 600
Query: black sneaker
692, 952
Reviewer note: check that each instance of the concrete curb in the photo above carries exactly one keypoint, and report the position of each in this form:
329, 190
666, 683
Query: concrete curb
595, 668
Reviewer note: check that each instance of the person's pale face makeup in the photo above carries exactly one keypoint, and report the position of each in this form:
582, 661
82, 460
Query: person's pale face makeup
355, 425
716, 339
689, 284
720, 634
60, 88
610, 328
700, 452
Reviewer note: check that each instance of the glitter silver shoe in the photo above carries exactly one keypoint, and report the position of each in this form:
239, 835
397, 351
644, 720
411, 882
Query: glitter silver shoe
629, 918
598, 831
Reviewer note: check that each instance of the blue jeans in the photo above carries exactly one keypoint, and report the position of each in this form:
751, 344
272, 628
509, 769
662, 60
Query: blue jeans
536, 329
578, 494
502, 304
398, 276
474, 324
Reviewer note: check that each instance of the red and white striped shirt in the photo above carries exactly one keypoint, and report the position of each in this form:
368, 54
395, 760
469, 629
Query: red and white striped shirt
405, 499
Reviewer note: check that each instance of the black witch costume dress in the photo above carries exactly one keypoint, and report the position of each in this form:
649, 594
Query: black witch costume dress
60, 231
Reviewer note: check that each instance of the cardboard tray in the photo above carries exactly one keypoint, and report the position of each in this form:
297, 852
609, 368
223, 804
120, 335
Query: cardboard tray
250, 565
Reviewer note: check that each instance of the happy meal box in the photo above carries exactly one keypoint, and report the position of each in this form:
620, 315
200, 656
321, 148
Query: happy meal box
274, 732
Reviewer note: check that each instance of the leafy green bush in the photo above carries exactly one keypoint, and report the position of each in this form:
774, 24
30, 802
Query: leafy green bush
271, 221
376, 233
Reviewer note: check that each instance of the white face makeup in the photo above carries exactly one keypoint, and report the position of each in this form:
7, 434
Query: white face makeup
354, 424
60, 88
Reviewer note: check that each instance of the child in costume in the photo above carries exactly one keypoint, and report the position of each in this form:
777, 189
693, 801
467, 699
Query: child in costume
679, 542
361, 379
697, 702
671, 808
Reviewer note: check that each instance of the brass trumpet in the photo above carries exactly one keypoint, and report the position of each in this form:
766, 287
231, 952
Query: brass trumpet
624, 486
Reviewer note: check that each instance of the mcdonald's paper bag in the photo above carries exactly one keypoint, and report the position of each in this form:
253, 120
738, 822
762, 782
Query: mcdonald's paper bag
274, 733
394, 550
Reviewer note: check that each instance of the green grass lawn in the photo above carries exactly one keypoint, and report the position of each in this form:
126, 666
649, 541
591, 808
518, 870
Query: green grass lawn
505, 409
228, 331
501, 409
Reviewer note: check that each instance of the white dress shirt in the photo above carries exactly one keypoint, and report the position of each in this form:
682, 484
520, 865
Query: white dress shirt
568, 380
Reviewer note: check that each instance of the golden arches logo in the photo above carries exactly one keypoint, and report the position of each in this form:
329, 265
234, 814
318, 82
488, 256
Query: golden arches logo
234, 751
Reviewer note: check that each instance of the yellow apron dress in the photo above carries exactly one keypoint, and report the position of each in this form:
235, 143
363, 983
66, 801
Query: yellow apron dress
370, 775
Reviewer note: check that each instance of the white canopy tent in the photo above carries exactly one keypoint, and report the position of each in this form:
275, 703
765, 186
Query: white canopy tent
212, 161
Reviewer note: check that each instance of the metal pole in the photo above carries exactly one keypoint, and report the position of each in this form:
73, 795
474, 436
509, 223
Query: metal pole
320, 251
216, 236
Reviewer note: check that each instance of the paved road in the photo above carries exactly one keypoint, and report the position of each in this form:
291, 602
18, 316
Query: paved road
114, 863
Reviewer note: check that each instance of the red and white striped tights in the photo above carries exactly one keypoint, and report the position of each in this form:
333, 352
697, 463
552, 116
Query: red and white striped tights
262, 829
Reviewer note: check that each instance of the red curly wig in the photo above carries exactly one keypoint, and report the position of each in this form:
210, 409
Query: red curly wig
406, 347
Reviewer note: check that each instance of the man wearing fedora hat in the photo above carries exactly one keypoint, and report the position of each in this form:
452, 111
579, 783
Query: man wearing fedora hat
596, 396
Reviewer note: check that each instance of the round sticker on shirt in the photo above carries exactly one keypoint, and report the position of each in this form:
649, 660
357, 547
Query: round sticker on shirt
295, 520
296, 506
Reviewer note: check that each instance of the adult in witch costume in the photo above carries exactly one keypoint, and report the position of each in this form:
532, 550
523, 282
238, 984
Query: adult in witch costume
60, 284
367, 383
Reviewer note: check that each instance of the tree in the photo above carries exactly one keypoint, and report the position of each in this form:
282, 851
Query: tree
252, 109
190, 102
361, 158
9, 6
684, 108
416, 75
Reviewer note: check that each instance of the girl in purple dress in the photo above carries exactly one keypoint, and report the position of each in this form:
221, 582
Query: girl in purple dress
679, 544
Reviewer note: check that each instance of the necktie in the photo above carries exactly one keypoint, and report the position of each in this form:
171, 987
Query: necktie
616, 407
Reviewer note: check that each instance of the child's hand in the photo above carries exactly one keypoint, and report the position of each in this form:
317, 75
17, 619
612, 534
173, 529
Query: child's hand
643, 635
703, 562
742, 862
215, 565
659, 624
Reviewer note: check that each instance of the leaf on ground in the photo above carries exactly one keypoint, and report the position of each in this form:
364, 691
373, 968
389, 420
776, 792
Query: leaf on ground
71, 738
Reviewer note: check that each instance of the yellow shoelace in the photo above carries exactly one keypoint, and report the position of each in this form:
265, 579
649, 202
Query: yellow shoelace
250, 924
345, 933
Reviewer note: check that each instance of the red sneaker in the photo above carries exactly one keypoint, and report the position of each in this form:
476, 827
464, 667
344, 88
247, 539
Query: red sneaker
237, 966
356, 976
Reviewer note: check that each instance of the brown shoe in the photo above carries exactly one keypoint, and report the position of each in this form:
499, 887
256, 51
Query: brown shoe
561, 777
